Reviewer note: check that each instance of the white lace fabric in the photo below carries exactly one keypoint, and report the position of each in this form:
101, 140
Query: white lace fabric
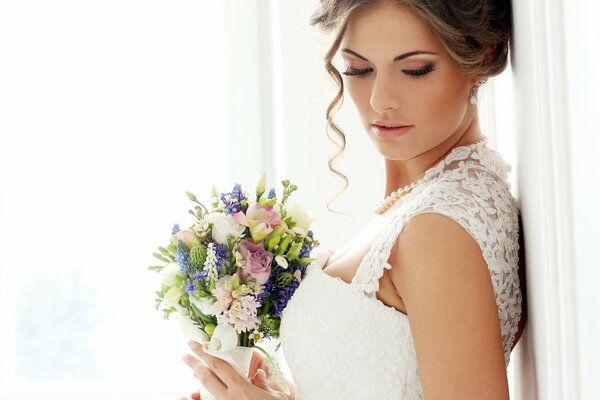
341, 342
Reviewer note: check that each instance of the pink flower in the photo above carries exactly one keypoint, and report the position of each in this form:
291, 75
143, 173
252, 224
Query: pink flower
241, 313
188, 237
259, 219
257, 259
224, 299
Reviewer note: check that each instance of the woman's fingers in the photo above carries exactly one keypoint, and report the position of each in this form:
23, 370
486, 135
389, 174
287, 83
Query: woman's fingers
208, 378
220, 368
255, 363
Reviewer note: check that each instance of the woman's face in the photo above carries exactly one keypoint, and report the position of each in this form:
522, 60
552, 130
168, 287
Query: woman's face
424, 91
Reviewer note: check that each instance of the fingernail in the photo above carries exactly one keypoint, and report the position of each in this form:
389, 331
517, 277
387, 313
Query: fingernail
260, 373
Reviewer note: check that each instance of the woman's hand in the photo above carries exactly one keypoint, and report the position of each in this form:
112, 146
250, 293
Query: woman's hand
220, 379
193, 396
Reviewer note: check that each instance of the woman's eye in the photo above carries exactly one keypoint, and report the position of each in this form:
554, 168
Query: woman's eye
417, 73
356, 71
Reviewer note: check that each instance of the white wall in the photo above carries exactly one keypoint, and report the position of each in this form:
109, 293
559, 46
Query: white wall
556, 83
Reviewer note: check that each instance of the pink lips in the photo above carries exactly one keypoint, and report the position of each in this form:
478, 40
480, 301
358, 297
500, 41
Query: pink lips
393, 131
389, 124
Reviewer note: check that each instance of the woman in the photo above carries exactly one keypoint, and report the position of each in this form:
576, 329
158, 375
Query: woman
425, 302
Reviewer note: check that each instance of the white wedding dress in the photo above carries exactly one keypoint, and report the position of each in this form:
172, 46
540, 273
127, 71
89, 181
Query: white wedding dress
341, 342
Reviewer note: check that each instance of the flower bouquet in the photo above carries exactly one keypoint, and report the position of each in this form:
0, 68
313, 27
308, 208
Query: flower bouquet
230, 274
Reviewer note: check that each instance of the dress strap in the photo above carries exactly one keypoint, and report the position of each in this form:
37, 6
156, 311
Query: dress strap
371, 268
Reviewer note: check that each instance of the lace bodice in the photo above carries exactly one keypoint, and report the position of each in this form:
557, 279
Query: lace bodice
341, 342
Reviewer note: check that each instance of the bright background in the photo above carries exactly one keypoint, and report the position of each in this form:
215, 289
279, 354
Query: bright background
110, 110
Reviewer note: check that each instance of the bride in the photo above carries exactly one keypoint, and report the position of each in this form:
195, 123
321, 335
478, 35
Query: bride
426, 300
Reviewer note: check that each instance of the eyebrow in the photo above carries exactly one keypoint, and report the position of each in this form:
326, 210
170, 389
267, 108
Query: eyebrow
397, 58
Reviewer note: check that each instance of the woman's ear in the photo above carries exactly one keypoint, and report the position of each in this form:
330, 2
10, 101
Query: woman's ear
489, 54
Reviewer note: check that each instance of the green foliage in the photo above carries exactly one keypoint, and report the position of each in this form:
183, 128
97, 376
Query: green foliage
305, 260
164, 251
205, 319
161, 257
284, 279
270, 327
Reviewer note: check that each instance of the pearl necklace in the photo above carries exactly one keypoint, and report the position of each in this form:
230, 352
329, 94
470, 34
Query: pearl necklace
392, 197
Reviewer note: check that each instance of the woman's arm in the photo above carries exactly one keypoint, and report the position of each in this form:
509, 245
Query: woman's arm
439, 270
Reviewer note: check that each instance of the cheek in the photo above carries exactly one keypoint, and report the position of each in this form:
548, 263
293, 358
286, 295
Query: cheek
441, 100
360, 93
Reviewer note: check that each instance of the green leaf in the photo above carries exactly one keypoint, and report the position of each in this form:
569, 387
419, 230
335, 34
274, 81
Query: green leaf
305, 260
172, 249
156, 268
205, 318
161, 258
164, 251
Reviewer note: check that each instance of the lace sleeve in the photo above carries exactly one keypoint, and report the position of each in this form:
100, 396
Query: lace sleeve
483, 205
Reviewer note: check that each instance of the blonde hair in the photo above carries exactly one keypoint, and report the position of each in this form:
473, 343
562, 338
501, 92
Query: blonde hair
467, 30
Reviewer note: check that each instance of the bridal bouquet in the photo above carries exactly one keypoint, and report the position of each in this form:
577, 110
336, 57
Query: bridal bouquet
230, 274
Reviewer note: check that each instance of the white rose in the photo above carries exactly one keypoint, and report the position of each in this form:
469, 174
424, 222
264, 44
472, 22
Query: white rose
223, 225
204, 304
299, 215
168, 274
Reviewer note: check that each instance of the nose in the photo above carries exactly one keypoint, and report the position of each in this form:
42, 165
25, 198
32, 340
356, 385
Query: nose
385, 94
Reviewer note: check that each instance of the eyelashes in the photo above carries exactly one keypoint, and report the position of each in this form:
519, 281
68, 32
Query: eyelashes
416, 73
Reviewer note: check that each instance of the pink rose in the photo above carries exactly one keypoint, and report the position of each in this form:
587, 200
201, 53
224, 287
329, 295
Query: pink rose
258, 261
259, 219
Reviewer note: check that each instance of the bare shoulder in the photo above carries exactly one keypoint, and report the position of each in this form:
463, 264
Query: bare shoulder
445, 284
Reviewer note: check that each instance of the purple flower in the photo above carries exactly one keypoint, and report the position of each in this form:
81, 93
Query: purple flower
283, 296
189, 286
306, 249
199, 276
233, 200
221, 255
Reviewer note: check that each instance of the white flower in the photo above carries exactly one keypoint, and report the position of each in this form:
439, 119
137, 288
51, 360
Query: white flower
168, 274
224, 338
181, 310
201, 227
298, 275
223, 225
210, 265
299, 215
282, 261
204, 304
192, 331
256, 336
240, 261
173, 295
299, 231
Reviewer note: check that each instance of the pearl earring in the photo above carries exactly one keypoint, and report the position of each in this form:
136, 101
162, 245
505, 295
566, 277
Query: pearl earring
473, 99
